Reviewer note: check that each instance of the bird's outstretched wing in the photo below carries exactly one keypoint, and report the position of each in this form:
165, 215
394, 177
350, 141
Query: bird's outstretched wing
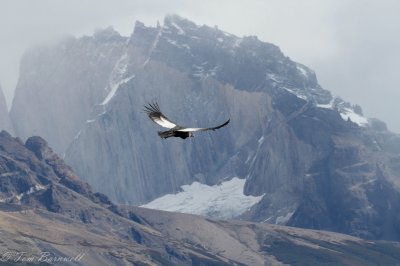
153, 110
193, 129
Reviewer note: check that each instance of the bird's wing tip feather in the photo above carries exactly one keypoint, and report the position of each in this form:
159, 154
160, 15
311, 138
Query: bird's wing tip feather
152, 108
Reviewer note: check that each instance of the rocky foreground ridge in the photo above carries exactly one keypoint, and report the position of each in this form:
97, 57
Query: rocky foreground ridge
47, 214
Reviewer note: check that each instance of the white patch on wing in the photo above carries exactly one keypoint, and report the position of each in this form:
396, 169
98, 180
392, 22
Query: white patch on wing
163, 122
191, 129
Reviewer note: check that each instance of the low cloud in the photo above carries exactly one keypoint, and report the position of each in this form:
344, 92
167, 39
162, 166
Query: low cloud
352, 45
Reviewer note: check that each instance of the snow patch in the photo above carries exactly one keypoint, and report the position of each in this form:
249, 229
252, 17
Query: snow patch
180, 30
360, 120
326, 106
116, 78
237, 43
227, 34
78, 135
296, 92
221, 201
331, 105
114, 89
31, 190
282, 220
153, 46
346, 113
202, 72
273, 77
175, 43
302, 70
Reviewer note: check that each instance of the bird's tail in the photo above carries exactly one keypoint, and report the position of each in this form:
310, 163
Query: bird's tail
166, 134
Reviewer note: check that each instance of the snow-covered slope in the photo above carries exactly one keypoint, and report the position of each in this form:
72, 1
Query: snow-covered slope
347, 112
225, 200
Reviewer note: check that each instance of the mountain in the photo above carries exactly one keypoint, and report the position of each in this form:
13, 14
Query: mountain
312, 160
49, 216
63, 83
5, 123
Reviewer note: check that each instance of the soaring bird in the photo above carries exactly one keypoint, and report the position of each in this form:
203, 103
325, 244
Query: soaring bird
175, 130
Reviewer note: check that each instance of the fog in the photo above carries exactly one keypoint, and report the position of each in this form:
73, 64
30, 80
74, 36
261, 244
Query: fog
352, 45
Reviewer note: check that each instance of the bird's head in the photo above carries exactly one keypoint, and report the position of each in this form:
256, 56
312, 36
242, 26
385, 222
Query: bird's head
191, 134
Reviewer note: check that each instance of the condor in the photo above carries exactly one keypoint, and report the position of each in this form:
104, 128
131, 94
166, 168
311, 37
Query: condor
175, 130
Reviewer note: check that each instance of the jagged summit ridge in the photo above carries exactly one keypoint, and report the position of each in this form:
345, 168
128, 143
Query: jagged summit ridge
178, 36
265, 60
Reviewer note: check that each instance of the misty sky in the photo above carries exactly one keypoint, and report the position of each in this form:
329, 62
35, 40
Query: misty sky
353, 45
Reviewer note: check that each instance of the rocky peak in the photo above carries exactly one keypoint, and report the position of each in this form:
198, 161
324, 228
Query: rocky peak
14, 147
107, 35
32, 174
178, 24
244, 62
4, 134
39, 147
44, 153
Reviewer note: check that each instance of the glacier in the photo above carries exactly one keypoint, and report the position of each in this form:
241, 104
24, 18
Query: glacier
225, 200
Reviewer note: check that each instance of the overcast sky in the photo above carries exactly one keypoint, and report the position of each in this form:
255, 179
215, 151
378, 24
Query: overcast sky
353, 45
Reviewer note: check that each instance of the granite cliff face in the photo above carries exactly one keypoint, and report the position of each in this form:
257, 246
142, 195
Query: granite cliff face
201, 76
5, 123
63, 83
316, 159
48, 216
342, 177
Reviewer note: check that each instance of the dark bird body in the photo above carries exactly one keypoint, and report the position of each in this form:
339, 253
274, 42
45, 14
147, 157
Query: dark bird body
175, 130
174, 133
